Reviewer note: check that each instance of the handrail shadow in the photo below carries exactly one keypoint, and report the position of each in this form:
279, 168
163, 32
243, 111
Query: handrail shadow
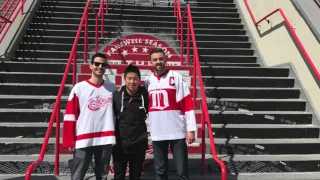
315, 73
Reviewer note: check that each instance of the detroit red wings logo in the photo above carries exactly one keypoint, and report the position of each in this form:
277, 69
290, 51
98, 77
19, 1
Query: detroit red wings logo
98, 102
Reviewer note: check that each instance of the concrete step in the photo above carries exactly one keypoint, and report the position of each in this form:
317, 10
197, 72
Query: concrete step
24, 54
74, 23
64, 46
271, 82
204, 37
225, 93
240, 164
30, 48
192, 158
245, 71
260, 104
78, 7
264, 131
22, 108
225, 51
120, 57
46, 67
108, 31
219, 31
227, 59
35, 78
221, 71
219, 44
62, 62
172, 18
208, 71
32, 146
265, 149
33, 35
252, 93
196, 176
32, 89
21, 130
54, 38
230, 64
212, 4
39, 102
145, 176
229, 114
39, 109
124, 28
49, 13
36, 36
221, 1
206, 60
39, 114
232, 131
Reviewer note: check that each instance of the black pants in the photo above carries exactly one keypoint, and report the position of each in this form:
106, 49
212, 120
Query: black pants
83, 157
180, 156
121, 160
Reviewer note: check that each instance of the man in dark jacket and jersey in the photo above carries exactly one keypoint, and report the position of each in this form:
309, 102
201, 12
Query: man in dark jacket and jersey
130, 107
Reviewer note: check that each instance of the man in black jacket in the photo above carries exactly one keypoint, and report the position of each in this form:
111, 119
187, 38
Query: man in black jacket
130, 106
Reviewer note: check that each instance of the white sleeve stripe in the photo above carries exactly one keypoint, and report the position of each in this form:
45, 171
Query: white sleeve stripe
69, 117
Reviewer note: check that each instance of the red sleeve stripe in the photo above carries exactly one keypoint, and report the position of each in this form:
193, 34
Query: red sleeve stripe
68, 133
73, 107
186, 104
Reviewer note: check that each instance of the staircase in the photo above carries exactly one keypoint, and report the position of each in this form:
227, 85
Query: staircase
261, 120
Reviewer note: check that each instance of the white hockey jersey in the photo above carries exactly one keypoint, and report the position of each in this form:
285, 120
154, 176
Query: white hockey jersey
171, 111
89, 117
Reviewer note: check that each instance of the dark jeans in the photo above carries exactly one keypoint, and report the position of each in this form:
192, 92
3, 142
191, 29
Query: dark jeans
121, 160
180, 156
83, 157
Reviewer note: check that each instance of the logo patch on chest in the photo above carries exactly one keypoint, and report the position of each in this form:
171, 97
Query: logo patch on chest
98, 102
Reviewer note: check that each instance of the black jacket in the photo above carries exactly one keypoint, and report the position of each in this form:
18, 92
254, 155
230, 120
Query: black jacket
131, 129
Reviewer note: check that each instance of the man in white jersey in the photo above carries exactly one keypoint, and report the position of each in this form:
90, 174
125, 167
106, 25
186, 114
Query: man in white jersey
88, 126
171, 116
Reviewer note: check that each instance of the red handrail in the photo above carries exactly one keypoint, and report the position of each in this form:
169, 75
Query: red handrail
8, 19
179, 28
2, 19
56, 110
4, 5
291, 31
205, 119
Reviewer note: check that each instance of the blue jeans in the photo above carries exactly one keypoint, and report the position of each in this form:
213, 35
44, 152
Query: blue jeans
180, 157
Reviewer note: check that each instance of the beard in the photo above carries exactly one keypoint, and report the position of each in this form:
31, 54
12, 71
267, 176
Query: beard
159, 68
98, 75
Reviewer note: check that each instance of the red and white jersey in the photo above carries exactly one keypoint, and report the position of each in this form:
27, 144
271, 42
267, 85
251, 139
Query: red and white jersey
89, 117
171, 111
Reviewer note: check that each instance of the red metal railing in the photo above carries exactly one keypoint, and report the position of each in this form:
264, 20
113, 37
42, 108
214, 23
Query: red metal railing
205, 119
72, 59
4, 5
291, 31
11, 17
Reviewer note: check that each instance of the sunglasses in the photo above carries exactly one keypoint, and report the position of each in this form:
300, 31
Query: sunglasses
102, 64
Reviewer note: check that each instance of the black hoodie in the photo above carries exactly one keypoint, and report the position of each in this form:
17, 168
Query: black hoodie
131, 112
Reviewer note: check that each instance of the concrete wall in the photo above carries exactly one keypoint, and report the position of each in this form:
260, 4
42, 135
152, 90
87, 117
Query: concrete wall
278, 48
310, 12
17, 30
